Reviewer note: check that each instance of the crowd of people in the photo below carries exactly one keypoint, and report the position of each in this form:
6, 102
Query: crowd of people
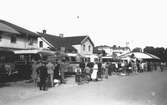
45, 73
88, 71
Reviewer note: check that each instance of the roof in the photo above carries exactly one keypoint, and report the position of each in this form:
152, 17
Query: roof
66, 42
115, 48
139, 55
18, 28
103, 46
5, 28
57, 42
74, 40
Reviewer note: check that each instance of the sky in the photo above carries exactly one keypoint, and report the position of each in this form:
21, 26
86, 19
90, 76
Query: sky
108, 22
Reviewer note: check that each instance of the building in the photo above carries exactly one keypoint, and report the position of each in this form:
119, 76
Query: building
74, 44
16, 37
112, 50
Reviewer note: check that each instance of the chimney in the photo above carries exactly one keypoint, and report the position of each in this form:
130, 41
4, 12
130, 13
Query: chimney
61, 35
44, 31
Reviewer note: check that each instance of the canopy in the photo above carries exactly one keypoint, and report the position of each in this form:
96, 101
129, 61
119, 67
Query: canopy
139, 55
43, 52
4, 51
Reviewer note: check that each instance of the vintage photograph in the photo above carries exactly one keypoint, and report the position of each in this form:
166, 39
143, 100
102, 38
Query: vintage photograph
83, 52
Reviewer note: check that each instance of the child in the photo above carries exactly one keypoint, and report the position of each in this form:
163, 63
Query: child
78, 74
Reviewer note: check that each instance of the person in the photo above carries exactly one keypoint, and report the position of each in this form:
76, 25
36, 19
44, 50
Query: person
62, 70
57, 70
148, 66
43, 75
50, 70
8, 68
106, 70
88, 73
161, 66
103, 70
78, 75
82, 66
34, 75
94, 73
126, 67
99, 73
110, 69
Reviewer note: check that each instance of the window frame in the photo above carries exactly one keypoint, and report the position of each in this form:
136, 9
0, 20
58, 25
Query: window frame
89, 48
40, 44
84, 47
13, 39
0, 37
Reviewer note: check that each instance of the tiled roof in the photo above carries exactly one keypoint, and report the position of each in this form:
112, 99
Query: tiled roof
57, 41
74, 40
18, 28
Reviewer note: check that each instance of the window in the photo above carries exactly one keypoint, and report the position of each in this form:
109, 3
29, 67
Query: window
13, 39
31, 42
89, 48
0, 37
73, 59
41, 44
83, 47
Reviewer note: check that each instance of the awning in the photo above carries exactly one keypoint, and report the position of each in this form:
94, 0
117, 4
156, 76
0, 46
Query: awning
43, 52
139, 55
5, 51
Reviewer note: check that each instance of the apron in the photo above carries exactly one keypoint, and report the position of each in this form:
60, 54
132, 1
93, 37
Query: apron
94, 73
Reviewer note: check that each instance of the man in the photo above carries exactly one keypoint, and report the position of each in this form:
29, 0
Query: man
62, 70
99, 69
50, 69
43, 74
82, 66
34, 75
57, 70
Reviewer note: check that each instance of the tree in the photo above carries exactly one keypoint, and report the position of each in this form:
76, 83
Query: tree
137, 49
149, 49
165, 55
160, 52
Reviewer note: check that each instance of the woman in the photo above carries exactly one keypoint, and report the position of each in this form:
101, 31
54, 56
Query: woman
94, 73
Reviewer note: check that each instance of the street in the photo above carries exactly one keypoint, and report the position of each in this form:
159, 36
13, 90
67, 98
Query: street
148, 88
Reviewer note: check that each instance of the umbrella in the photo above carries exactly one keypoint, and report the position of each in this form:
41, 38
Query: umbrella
139, 55
6, 28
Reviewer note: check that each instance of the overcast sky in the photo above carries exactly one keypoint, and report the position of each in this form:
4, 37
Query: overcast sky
108, 22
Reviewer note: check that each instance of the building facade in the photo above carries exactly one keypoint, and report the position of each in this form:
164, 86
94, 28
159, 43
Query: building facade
23, 39
82, 45
12, 41
116, 50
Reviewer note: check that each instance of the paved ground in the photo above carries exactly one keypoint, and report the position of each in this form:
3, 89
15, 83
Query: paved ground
142, 89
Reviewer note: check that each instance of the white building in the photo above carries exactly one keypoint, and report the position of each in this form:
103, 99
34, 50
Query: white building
15, 37
75, 44
116, 50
